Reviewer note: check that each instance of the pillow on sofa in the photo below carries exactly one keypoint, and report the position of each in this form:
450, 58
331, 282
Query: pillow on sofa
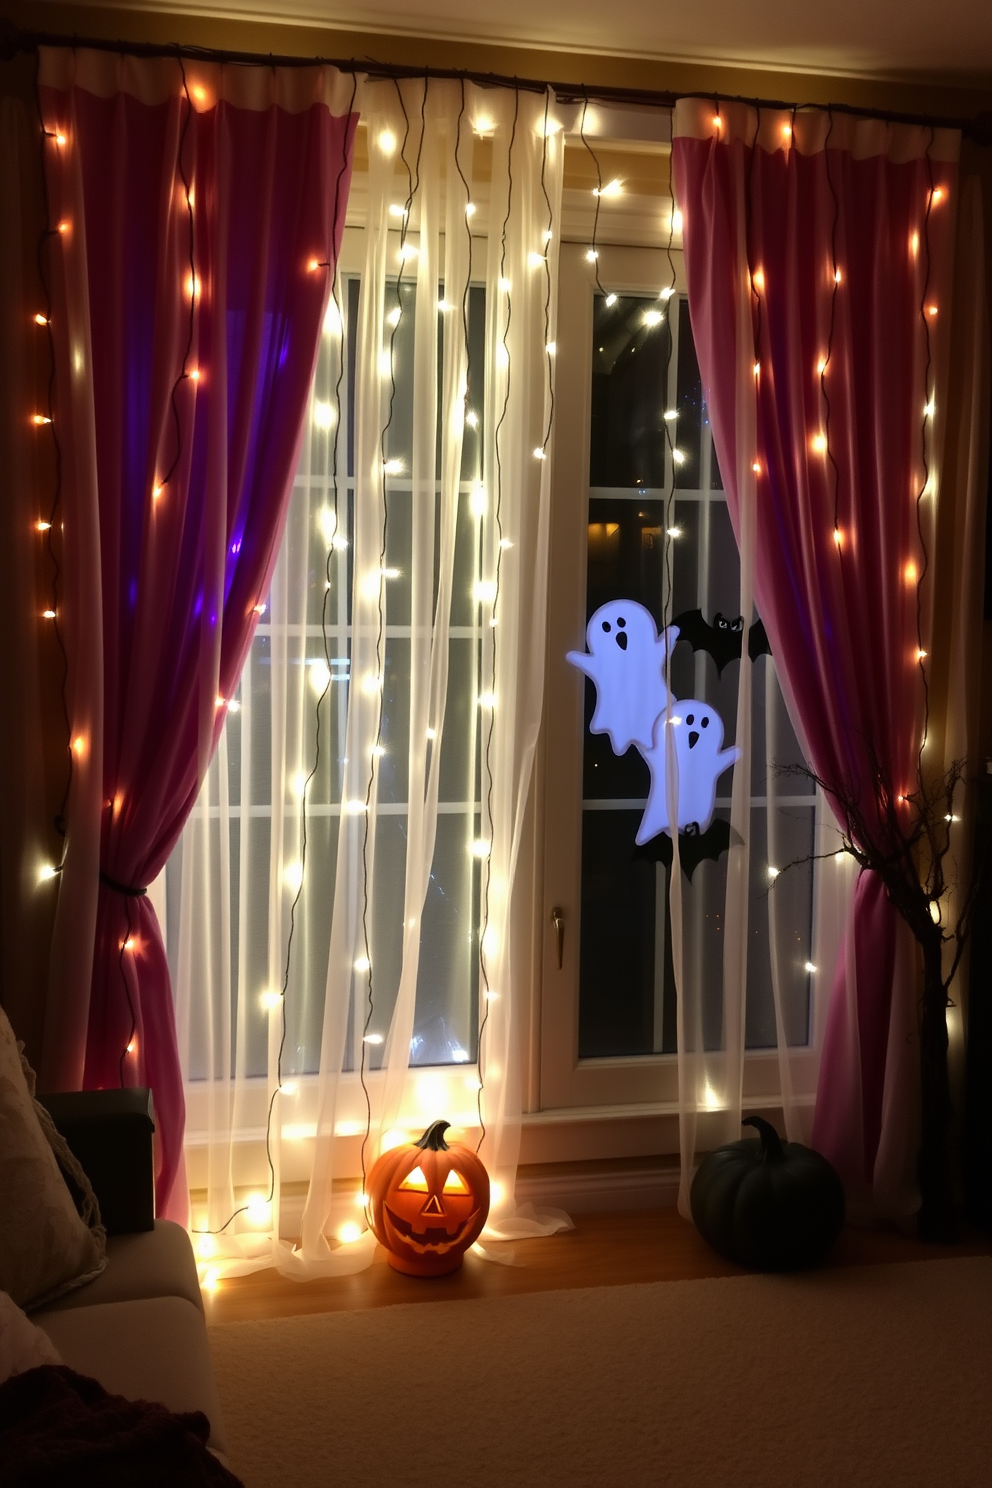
46, 1246
22, 1344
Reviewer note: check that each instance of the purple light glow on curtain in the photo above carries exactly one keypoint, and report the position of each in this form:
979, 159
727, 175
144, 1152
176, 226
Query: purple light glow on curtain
830, 216
176, 487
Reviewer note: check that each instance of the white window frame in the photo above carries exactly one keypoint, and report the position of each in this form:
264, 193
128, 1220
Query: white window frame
633, 1101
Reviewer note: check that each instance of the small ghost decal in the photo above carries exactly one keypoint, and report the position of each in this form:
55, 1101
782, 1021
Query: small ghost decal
700, 760
625, 660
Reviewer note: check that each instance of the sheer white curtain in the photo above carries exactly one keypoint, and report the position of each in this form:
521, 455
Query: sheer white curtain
342, 907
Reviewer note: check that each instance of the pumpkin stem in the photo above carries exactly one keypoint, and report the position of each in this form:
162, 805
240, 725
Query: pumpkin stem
771, 1143
433, 1138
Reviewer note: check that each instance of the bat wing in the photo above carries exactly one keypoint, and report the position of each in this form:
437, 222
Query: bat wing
758, 643
722, 642
694, 847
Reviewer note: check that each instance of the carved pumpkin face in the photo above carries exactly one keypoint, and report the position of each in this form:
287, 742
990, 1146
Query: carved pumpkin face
428, 1202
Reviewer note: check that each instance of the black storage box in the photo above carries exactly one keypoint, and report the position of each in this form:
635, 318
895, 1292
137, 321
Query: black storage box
110, 1132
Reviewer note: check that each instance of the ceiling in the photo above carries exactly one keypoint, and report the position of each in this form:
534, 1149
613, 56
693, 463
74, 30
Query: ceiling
879, 38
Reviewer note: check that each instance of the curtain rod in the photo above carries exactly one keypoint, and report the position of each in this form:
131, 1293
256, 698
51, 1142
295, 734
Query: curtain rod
14, 39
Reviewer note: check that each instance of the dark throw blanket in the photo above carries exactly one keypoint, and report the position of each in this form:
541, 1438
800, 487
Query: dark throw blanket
58, 1427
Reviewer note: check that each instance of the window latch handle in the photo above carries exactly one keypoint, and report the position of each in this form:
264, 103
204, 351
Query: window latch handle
558, 920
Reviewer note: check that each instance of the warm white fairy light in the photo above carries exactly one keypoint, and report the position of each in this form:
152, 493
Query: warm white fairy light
506, 542
327, 521
540, 454
678, 456
549, 127
320, 676
470, 209
41, 320
387, 142
271, 1000
332, 319
363, 964
612, 188
670, 414
773, 873
677, 221
393, 467
258, 1209
551, 347
536, 260
293, 876
406, 252
477, 501
483, 125
472, 419
396, 209
758, 279
611, 299
444, 306
349, 1233
48, 614
43, 526
674, 531
394, 316
481, 848
487, 700
819, 443
484, 592
323, 414
47, 871
809, 968
40, 418
372, 1038
371, 684
591, 255
652, 318
385, 363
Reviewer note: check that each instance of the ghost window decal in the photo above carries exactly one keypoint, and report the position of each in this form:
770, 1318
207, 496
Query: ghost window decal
626, 660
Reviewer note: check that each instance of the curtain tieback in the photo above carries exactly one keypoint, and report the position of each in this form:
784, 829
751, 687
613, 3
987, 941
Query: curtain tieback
126, 889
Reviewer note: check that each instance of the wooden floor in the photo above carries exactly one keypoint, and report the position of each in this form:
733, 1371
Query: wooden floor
602, 1250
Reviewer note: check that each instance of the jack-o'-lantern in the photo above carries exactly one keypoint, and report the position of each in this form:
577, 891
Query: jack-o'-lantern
427, 1203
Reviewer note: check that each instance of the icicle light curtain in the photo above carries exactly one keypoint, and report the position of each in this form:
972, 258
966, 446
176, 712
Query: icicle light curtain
342, 911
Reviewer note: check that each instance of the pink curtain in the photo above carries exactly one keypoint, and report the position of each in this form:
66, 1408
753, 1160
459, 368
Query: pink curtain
818, 250
197, 218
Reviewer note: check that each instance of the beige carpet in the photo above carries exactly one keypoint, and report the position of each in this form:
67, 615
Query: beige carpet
880, 1375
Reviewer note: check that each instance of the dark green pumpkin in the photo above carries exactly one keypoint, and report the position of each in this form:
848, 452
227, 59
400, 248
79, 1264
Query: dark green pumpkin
770, 1205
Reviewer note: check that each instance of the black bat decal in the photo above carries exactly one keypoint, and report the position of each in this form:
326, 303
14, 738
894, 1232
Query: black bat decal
694, 846
722, 639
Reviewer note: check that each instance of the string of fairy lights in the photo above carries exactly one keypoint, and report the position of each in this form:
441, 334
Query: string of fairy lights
912, 571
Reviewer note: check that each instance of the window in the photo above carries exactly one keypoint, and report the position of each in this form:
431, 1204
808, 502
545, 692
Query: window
626, 368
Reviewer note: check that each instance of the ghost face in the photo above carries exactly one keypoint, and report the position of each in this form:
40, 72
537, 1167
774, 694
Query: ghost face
700, 760
625, 660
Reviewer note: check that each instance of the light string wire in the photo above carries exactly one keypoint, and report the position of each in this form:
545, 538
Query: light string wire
594, 250
47, 235
668, 539
328, 263
413, 186
831, 329
498, 517
928, 395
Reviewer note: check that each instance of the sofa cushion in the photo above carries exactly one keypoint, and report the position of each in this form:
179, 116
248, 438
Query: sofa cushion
154, 1349
153, 1263
46, 1247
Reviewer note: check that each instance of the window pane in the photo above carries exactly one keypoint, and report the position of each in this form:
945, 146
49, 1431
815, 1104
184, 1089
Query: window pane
626, 987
